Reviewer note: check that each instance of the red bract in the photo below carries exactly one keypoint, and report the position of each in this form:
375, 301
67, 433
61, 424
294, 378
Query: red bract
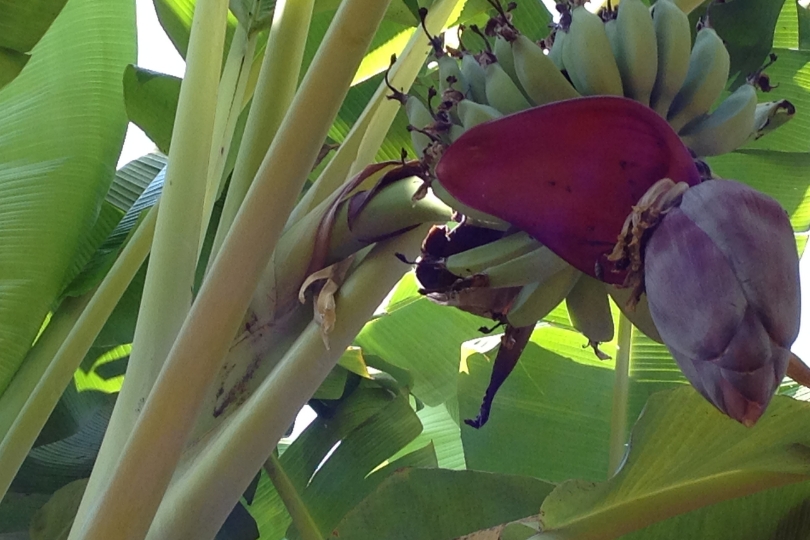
722, 279
568, 173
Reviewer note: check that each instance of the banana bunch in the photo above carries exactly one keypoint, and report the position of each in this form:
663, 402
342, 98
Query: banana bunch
645, 54
642, 53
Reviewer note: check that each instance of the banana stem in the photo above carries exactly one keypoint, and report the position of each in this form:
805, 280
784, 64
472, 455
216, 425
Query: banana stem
231, 95
49, 388
364, 140
198, 503
275, 89
153, 449
301, 518
621, 391
167, 292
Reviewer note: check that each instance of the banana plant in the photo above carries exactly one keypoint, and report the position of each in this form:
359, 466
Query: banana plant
161, 327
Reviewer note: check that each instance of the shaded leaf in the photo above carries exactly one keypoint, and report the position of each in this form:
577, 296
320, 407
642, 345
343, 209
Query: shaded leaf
437, 504
239, 525
24, 23
53, 521
151, 101
11, 64
17, 509
64, 124
747, 28
715, 459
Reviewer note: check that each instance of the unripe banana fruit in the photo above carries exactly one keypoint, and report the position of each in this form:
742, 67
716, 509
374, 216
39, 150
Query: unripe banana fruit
589, 308
502, 92
536, 300
588, 58
477, 217
537, 265
471, 113
478, 259
538, 75
450, 75
419, 117
555, 52
725, 129
635, 47
503, 52
475, 77
639, 316
705, 80
674, 43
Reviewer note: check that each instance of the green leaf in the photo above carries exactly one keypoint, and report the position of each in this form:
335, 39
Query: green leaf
791, 74
24, 22
803, 15
786, 34
441, 431
239, 525
437, 504
64, 124
532, 19
151, 101
335, 454
11, 64
715, 459
54, 520
425, 339
17, 509
782, 175
50, 466
747, 27
555, 403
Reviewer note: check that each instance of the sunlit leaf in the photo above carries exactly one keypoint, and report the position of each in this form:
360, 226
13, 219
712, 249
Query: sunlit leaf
715, 459
63, 125
437, 504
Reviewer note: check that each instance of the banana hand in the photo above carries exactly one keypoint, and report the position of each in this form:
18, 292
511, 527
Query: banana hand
674, 43
540, 78
725, 129
635, 48
588, 58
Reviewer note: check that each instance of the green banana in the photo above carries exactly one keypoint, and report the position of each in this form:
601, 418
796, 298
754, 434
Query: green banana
537, 265
419, 117
478, 259
725, 129
705, 80
475, 77
471, 113
635, 48
502, 92
455, 132
536, 300
588, 58
674, 43
639, 316
478, 218
538, 75
771, 115
503, 52
555, 52
589, 308
450, 71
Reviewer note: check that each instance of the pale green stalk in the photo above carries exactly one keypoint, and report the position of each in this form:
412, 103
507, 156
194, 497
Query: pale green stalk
301, 517
231, 95
126, 507
26, 427
198, 503
167, 292
368, 132
275, 90
621, 391
39, 358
